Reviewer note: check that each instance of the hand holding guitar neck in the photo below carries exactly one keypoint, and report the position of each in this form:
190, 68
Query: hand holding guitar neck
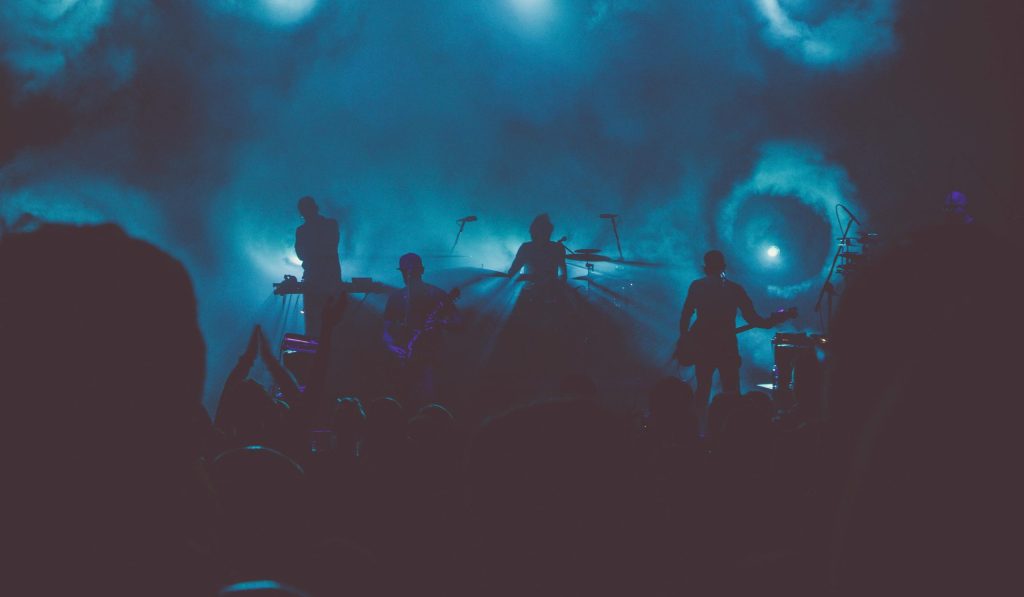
431, 325
687, 348
778, 316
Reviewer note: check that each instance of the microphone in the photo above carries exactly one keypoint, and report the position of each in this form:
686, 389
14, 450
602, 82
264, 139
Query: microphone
466, 219
850, 213
609, 216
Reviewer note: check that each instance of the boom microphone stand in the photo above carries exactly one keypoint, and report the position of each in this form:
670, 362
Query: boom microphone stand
827, 287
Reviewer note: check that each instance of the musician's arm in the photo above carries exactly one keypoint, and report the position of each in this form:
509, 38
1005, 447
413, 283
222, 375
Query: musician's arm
750, 314
390, 339
391, 328
517, 263
300, 244
688, 310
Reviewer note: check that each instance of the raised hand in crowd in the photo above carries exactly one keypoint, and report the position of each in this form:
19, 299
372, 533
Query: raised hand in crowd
282, 378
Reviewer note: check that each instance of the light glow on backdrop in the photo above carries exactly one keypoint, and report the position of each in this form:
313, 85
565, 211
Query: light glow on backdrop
830, 33
43, 42
288, 12
533, 13
274, 13
787, 171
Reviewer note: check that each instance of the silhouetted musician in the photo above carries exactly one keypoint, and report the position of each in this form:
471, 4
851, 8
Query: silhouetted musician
414, 319
715, 301
542, 258
316, 245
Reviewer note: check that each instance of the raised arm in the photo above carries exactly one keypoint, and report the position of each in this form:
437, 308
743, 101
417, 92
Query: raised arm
237, 375
307, 408
280, 375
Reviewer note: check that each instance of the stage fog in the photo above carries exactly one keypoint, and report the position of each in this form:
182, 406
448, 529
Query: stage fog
745, 126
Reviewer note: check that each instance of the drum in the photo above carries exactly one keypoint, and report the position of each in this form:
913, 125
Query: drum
797, 372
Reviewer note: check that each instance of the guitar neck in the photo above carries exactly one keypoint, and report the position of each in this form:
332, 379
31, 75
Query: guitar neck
777, 317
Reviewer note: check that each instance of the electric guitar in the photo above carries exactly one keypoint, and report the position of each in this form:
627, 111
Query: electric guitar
687, 348
420, 340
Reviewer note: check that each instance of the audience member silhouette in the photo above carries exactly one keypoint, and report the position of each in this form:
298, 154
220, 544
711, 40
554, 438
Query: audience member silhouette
102, 361
262, 524
923, 357
552, 498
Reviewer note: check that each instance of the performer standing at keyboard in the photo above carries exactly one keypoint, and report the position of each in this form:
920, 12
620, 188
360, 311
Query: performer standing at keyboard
316, 245
715, 301
414, 318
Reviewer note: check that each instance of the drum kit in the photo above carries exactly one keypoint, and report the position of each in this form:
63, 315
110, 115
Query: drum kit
793, 352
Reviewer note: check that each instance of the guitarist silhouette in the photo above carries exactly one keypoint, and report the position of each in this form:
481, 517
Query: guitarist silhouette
413, 321
711, 343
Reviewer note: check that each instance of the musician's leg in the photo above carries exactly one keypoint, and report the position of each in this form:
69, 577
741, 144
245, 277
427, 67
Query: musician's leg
313, 302
418, 387
729, 369
730, 377
704, 373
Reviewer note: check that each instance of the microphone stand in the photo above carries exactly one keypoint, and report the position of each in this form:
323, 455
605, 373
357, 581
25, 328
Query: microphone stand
828, 288
615, 230
462, 225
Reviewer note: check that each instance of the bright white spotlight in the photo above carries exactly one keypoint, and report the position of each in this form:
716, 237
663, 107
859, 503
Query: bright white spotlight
288, 12
772, 251
533, 13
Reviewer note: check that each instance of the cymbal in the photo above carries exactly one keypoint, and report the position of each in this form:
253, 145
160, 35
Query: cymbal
587, 257
639, 263
581, 277
588, 251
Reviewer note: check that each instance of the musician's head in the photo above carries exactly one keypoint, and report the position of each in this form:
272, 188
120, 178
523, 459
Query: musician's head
541, 228
411, 267
308, 207
714, 263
